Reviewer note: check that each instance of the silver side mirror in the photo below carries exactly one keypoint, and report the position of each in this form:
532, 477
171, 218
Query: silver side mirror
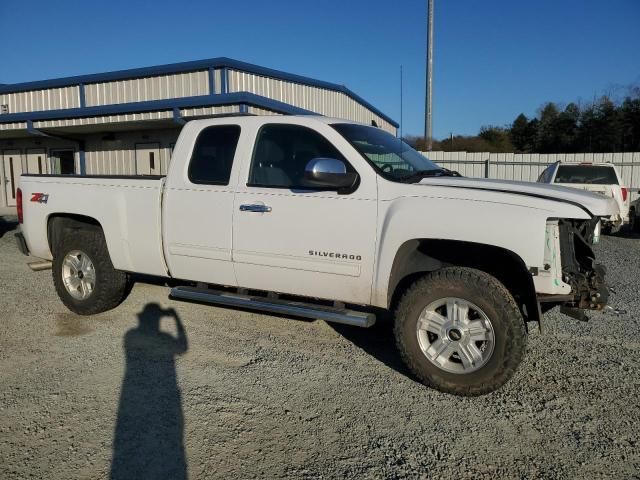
329, 173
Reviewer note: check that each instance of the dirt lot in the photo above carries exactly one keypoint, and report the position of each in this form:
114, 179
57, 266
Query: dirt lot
233, 394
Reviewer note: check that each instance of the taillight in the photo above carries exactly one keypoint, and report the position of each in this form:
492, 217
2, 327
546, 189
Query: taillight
625, 193
19, 204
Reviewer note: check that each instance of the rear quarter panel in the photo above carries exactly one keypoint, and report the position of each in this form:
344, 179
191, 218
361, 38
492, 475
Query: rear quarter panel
127, 209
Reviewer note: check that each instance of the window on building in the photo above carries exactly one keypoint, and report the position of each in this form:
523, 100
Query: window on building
213, 154
63, 162
283, 151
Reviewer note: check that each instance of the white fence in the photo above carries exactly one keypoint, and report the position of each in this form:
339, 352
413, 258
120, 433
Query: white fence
527, 167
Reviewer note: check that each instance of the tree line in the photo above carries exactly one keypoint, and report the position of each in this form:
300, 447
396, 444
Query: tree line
604, 125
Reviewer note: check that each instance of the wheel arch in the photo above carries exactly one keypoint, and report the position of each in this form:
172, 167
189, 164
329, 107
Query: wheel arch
58, 223
417, 257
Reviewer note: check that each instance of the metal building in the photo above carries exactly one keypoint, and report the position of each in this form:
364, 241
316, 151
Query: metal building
126, 122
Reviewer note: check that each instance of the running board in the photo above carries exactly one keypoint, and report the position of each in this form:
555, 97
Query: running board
298, 309
40, 265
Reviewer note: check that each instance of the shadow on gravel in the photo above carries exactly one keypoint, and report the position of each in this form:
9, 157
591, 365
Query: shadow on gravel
7, 225
148, 439
378, 341
626, 233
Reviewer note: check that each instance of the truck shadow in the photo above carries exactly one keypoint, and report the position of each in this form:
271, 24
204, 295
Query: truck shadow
148, 437
626, 233
378, 341
7, 225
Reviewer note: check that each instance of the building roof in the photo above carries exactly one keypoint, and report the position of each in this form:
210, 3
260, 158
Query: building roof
215, 98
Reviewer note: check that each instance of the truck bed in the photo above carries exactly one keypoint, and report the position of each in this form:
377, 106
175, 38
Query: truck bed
129, 213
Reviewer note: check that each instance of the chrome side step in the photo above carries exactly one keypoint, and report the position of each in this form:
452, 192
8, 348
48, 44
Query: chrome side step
298, 309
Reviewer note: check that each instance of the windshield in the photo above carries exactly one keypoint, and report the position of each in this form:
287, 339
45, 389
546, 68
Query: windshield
393, 158
593, 174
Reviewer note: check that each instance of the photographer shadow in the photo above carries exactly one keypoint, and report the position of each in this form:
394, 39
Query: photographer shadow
148, 438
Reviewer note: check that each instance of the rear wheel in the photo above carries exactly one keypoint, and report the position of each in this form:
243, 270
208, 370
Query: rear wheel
459, 330
83, 274
634, 221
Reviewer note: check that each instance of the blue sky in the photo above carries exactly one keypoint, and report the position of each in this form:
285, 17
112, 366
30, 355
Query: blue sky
493, 59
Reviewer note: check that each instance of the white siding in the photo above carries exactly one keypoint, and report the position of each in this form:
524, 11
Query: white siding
320, 100
149, 88
209, 111
40, 100
13, 126
130, 117
260, 111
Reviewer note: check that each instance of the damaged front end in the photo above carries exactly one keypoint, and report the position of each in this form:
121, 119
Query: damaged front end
581, 278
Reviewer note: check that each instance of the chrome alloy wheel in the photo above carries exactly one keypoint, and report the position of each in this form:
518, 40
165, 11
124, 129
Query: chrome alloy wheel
455, 335
78, 274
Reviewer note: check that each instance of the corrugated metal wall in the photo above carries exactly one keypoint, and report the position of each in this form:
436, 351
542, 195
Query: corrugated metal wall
113, 156
528, 167
320, 100
132, 117
13, 126
118, 156
148, 88
38, 100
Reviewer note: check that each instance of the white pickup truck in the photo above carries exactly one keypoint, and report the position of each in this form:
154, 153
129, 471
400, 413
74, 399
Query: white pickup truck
327, 219
602, 178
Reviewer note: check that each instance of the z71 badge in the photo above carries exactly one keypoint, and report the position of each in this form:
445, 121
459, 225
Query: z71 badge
40, 197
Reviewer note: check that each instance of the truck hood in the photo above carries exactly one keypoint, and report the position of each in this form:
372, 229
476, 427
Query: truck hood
595, 203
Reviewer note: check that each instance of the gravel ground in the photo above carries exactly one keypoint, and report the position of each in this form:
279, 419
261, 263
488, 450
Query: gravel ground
221, 393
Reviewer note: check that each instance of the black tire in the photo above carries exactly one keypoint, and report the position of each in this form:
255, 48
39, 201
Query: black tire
110, 284
634, 221
496, 302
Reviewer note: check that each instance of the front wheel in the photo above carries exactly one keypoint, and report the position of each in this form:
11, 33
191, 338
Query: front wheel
83, 274
460, 331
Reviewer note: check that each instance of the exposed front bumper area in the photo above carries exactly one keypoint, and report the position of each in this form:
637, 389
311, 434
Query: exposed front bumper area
22, 243
589, 289
583, 278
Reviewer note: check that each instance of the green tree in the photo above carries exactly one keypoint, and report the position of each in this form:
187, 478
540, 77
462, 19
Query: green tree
548, 139
566, 128
519, 133
630, 123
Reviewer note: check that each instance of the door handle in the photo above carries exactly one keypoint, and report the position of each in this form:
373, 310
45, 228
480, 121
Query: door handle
255, 207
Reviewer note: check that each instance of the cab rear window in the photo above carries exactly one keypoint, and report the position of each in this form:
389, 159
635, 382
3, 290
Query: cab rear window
213, 154
591, 174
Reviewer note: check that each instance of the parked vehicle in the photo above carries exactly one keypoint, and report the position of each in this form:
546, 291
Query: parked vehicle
602, 178
634, 216
323, 218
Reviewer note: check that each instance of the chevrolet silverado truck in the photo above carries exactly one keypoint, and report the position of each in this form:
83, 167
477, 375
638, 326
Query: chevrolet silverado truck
328, 219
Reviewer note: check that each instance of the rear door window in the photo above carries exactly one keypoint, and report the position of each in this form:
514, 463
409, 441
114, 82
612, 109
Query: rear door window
588, 174
213, 154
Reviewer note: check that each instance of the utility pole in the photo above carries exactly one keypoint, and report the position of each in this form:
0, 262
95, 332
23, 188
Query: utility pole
401, 103
428, 121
